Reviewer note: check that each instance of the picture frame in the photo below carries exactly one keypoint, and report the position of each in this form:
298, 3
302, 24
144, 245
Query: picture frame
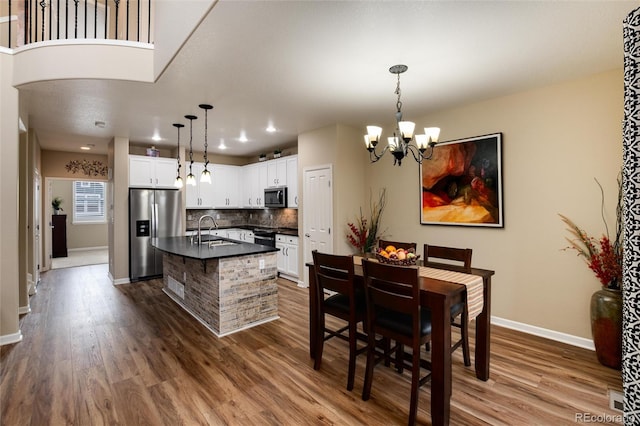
462, 183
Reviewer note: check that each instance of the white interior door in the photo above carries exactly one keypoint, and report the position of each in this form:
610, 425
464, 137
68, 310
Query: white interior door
318, 212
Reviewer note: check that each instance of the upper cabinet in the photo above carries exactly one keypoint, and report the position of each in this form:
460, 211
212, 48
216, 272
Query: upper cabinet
226, 185
200, 196
277, 172
292, 181
254, 181
152, 172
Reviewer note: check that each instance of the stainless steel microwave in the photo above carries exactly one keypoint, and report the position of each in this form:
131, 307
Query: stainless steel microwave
275, 197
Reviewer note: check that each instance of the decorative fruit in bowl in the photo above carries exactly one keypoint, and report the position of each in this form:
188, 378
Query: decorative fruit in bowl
397, 256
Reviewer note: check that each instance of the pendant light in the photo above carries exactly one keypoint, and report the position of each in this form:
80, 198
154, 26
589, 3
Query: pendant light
178, 182
205, 177
191, 179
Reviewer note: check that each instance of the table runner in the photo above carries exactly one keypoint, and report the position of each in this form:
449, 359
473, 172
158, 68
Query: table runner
475, 287
474, 284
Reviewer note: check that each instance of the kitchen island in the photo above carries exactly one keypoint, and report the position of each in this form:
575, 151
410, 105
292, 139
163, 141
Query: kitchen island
227, 285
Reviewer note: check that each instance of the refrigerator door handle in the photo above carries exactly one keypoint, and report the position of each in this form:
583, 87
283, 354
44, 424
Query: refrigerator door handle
155, 220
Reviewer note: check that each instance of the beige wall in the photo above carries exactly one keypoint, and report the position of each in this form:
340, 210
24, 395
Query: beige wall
9, 172
556, 140
79, 235
118, 211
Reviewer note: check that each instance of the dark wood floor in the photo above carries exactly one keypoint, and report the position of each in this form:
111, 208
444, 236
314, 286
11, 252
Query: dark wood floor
94, 353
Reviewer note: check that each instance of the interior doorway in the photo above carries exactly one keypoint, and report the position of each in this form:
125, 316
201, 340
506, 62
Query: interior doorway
85, 243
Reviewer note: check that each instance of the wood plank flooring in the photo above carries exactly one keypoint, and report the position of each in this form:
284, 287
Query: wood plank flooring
94, 353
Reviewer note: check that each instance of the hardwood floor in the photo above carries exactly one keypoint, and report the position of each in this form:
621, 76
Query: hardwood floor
94, 353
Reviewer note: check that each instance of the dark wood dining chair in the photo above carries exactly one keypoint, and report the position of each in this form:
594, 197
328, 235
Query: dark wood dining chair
394, 312
335, 273
440, 255
397, 244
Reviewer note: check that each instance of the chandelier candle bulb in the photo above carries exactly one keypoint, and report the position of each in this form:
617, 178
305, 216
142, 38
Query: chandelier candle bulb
406, 129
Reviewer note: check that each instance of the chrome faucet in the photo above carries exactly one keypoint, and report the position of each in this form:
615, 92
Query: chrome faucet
200, 223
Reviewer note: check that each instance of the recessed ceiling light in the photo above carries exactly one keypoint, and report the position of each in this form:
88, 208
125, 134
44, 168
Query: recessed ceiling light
271, 129
100, 124
243, 137
85, 148
222, 145
156, 138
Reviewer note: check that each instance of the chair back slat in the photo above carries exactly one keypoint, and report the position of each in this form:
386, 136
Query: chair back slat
394, 288
334, 273
460, 255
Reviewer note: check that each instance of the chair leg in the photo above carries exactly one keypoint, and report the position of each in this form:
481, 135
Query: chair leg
387, 351
319, 345
415, 385
464, 332
427, 346
368, 374
352, 355
399, 357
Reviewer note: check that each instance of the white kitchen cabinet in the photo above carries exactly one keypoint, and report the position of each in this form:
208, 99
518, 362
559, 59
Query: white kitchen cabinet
242, 235
287, 256
292, 181
277, 173
254, 178
226, 185
152, 172
199, 196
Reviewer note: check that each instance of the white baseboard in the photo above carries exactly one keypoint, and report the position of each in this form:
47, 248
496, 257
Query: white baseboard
24, 310
302, 284
119, 280
8, 339
88, 248
543, 332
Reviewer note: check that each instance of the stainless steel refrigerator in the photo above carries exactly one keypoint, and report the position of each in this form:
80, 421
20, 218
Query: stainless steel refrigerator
152, 213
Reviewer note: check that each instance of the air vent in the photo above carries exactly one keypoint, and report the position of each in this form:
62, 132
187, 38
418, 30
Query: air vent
616, 400
176, 287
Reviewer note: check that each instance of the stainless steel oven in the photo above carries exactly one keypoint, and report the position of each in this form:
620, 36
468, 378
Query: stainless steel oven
266, 238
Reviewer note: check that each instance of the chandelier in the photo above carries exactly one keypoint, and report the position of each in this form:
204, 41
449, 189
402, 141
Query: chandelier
400, 143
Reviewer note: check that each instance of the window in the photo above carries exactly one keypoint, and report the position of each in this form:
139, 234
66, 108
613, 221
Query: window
89, 202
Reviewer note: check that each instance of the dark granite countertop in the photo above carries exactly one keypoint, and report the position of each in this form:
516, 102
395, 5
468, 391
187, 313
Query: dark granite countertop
182, 246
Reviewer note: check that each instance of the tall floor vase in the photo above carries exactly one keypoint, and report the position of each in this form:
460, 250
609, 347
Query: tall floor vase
606, 326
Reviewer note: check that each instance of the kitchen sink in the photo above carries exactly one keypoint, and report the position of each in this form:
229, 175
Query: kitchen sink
216, 243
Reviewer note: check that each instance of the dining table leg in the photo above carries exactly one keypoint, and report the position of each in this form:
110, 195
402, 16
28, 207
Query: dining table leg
440, 360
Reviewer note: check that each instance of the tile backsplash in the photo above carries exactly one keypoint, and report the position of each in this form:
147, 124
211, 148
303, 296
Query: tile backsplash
273, 218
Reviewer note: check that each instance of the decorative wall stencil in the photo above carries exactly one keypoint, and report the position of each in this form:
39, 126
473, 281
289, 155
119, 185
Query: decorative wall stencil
89, 168
462, 183
631, 220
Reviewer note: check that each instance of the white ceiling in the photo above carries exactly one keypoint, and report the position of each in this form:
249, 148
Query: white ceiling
307, 64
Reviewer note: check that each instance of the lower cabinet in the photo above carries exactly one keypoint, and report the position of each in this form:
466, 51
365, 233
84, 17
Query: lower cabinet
59, 235
287, 256
239, 234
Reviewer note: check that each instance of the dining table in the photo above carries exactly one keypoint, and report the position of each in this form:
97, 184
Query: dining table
438, 296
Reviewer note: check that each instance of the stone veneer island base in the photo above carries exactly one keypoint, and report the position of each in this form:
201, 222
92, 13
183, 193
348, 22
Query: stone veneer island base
226, 294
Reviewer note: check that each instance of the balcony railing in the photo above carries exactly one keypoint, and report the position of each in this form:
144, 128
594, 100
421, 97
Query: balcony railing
29, 21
